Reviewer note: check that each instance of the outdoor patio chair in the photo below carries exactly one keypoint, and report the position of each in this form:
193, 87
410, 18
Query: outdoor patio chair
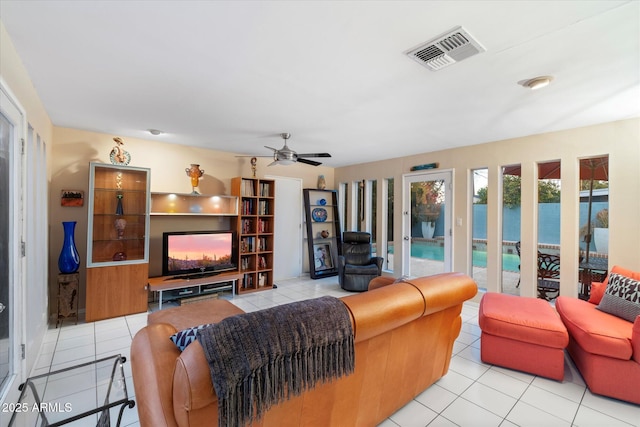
518, 250
548, 276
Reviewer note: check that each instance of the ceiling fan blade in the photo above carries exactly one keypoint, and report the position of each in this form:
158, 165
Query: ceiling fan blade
315, 155
308, 162
271, 148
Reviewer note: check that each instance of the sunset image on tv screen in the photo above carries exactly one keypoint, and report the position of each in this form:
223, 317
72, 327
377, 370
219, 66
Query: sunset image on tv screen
192, 251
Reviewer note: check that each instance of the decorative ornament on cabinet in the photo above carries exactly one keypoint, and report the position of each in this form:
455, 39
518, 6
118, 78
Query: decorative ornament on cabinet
120, 223
118, 155
119, 208
195, 173
322, 184
254, 162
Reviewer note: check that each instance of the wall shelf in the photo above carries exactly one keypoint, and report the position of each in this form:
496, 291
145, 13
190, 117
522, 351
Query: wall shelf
193, 204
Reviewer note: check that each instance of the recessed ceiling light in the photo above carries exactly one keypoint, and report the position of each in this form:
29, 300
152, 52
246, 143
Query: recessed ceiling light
155, 132
536, 82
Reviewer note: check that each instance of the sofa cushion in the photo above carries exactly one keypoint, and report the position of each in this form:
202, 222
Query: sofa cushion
371, 269
186, 336
379, 282
595, 331
621, 297
597, 292
635, 339
623, 272
197, 313
529, 320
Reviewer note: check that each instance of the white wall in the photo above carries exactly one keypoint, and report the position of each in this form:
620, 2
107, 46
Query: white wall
33, 313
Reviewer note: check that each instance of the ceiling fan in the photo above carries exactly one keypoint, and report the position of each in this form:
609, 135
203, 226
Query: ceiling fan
286, 156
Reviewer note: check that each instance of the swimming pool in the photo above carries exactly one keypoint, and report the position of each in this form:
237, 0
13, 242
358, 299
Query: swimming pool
426, 250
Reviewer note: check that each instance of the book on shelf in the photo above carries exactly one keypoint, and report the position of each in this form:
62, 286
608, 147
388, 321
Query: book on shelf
263, 207
247, 207
262, 244
262, 279
247, 226
247, 245
247, 188
263, 226
265, 189
248, 281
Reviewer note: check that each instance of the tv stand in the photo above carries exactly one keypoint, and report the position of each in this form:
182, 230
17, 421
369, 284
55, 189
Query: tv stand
192, 276
192, 285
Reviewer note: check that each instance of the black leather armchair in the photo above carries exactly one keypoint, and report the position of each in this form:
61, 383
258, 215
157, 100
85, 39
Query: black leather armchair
356, 266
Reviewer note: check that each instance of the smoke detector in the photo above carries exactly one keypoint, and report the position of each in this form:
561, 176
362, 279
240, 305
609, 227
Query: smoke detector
446, 49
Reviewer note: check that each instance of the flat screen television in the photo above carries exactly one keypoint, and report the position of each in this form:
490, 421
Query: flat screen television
204, 252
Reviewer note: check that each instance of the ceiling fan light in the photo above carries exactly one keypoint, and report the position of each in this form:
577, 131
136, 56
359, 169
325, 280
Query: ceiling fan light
537, 82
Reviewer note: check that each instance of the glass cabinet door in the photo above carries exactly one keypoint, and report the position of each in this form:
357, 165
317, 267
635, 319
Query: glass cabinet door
118, 215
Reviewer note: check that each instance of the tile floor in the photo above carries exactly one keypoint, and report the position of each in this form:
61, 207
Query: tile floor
471, 394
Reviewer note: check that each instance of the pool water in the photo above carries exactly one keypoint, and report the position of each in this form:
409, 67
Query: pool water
510, 262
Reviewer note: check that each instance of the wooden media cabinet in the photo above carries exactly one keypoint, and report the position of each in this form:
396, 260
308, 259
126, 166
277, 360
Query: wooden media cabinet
179, 288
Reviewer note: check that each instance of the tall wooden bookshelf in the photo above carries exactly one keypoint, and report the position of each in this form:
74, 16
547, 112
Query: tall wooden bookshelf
255, 224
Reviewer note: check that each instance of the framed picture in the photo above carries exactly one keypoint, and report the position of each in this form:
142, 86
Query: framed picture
322, 256
73, 198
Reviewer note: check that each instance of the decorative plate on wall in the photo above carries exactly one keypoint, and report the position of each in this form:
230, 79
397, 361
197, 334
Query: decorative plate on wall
319, 214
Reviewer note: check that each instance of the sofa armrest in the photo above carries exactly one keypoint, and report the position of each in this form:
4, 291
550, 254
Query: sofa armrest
194, 398
458, 288
153, 357
381, 281
389, 307
635, 339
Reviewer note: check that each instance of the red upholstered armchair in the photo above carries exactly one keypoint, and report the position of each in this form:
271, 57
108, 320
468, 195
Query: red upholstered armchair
604, 347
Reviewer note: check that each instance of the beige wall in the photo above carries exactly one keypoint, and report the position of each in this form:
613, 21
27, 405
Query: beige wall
621, 140
73, 149
15, 76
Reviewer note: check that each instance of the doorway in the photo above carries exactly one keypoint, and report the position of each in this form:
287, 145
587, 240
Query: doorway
11, 131
427, 200
287, 262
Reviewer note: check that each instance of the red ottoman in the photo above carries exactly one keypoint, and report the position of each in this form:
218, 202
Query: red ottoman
522, 333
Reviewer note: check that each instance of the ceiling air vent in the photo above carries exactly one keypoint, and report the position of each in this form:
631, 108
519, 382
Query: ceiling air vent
446, 49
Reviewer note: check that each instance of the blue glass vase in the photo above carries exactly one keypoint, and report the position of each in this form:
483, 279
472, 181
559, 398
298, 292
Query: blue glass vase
69, 259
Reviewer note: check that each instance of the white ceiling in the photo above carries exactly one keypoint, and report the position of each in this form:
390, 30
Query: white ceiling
232, 75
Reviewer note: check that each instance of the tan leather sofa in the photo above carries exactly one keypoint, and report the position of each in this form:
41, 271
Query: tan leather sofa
404, 335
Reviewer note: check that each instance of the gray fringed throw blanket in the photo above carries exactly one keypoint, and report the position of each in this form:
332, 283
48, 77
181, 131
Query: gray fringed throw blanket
259, 359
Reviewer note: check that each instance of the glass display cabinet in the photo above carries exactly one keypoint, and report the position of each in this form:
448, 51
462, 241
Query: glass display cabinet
117, 241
